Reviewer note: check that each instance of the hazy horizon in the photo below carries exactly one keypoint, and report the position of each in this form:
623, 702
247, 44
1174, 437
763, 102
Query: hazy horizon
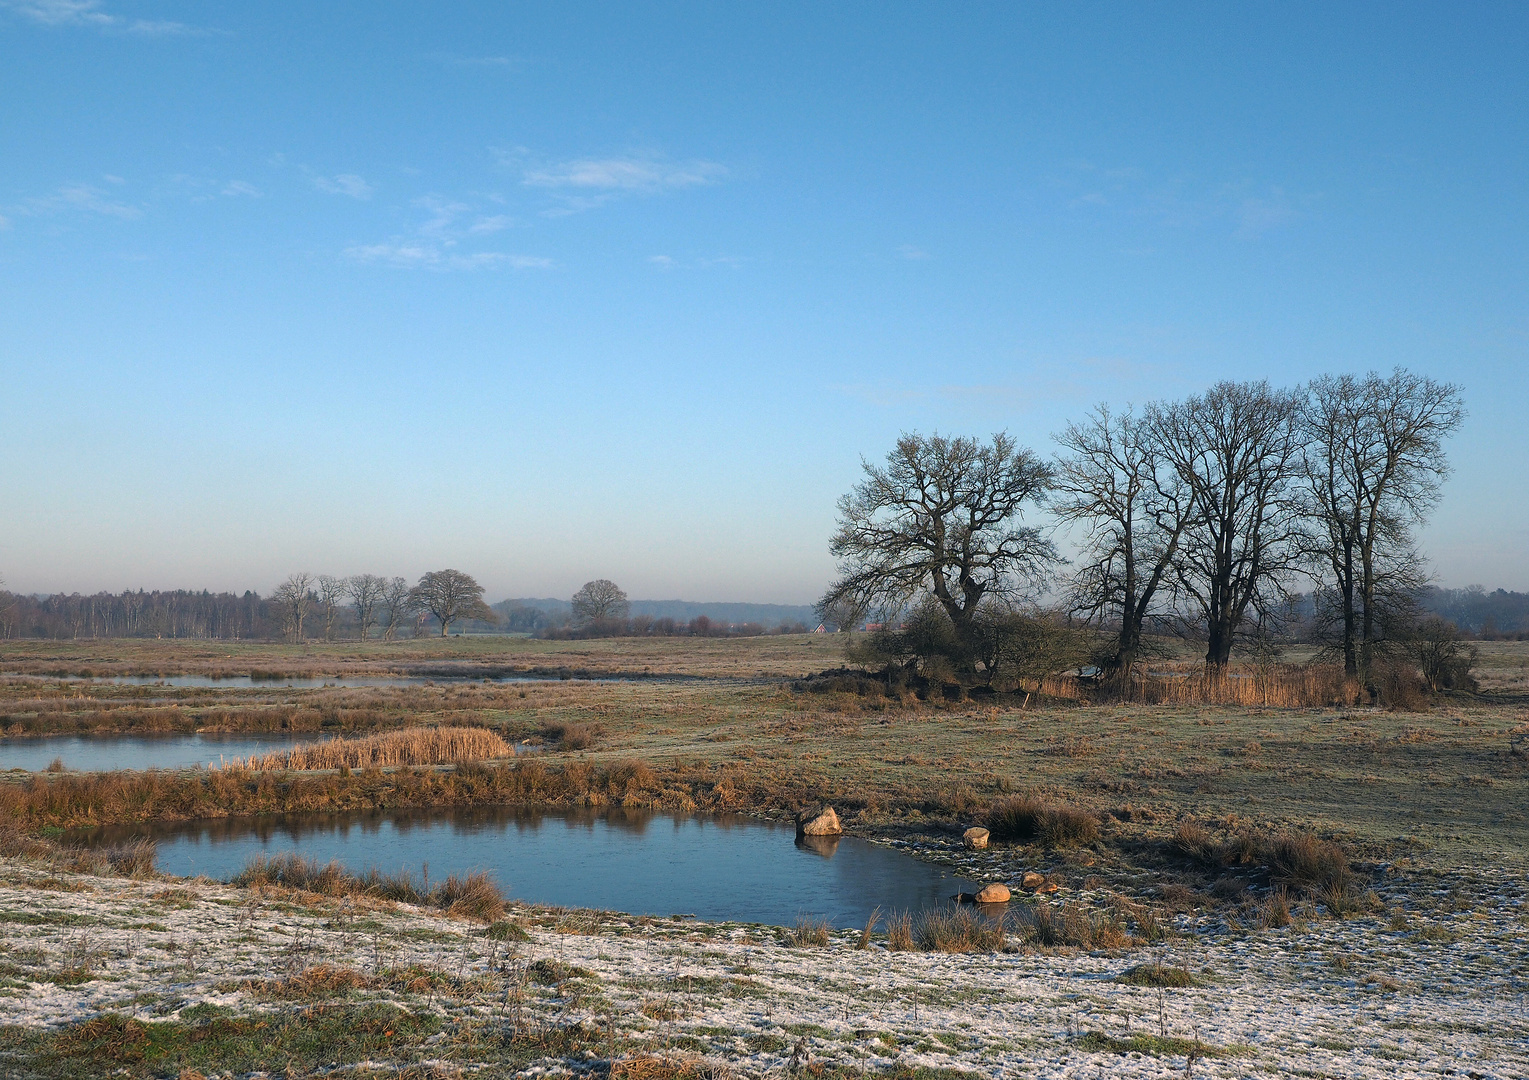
553, 293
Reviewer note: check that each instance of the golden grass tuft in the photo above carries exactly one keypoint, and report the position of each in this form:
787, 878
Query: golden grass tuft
416, 746
1030, 819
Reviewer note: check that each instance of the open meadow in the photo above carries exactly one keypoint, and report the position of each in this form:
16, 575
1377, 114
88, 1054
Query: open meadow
1227, 890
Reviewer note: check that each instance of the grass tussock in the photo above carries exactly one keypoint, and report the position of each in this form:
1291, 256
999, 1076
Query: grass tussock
808, 932
1156, 975
569, 736
958, 930
1030, 819
466, 896
417, 746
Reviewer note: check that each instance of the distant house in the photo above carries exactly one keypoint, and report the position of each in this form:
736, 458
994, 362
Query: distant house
820, 629
872, 627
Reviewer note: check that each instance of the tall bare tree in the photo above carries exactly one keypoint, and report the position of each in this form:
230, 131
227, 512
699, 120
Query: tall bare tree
943, 515
331, 591
1114, 481
1235, 450
1374, 460
451, 596
398, 602
294, 598
366, 592
599, 600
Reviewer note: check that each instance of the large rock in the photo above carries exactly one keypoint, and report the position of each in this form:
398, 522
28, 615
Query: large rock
818, 822
975, 838
993, 894
1032, 880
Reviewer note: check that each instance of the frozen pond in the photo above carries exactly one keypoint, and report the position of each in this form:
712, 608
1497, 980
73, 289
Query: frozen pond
717, 868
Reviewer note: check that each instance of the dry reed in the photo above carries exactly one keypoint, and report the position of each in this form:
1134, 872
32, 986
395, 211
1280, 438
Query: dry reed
417, 746
1290, 686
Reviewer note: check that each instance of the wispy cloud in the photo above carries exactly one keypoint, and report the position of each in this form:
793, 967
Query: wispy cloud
344, 184
669, 262
454, 60
625, 174
585, 183
411, 254
91, 15
80, 197
908, 251
239, 187
1250, 210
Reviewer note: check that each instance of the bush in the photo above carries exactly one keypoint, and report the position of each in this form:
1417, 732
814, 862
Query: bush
1029, 819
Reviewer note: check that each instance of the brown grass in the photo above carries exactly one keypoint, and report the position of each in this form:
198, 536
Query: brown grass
1287, 686
1031, 819
958, 930
808, 932
900, 932
469, 896
418, 746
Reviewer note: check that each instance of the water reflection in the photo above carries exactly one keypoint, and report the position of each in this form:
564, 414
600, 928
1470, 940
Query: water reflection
724, 867
94, 753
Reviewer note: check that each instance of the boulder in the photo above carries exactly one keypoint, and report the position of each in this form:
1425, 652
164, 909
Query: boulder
1031, 880
993, 894
818, 822
1047, 887
975, 838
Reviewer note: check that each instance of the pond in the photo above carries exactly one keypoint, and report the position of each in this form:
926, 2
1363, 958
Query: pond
100, 753
715, 868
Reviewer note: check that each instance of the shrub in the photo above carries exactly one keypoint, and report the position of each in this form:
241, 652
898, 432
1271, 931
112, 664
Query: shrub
1026, 818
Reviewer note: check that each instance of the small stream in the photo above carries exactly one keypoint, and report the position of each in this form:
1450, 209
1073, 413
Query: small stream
102, 753
713, 867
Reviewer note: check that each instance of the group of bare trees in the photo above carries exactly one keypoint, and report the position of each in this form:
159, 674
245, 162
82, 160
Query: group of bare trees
448, 596
1199, 514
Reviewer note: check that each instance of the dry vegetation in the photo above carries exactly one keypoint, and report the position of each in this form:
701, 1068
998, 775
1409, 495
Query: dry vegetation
417, 746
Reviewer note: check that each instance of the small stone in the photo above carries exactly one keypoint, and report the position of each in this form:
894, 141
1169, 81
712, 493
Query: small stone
1031, 880
819, 823
1047, 887
993, 894
975, 838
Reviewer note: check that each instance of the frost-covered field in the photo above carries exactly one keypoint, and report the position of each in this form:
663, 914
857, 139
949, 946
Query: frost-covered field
1438, 984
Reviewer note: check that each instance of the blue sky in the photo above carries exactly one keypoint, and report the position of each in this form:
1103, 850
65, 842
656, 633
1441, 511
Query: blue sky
553, 292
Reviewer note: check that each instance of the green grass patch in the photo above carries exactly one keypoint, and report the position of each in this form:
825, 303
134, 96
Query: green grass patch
1156, 975
1099, 1043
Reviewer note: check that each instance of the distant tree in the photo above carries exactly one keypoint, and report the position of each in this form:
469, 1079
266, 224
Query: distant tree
943, 518
366, 592
1373, 463
1115, 481
294, 598
398, 602
331, 591
1235, 450
845, 613
598, 601
451, 596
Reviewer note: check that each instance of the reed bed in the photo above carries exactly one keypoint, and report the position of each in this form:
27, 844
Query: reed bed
418, 746
1291, 686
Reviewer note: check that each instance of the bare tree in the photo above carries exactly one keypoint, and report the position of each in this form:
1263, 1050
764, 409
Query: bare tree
331, 590
943, 515
1373, 464
398, 602
1235, 451
293, 598
845, 613
1114, 481
366, 591
450, 596
599, 600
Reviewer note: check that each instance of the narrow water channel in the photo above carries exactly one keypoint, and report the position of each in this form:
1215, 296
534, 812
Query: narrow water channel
715, 868
102, 753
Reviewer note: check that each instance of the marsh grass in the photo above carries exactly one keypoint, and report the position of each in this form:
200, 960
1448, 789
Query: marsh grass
468, 896
1031, 819
808, 932
417, 746
958, 930
900, 932
864, 941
